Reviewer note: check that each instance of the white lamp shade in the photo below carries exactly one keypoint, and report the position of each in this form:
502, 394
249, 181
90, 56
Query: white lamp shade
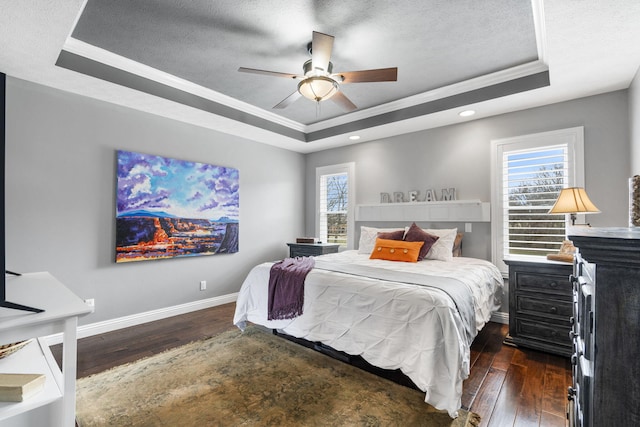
318, 88
573, 200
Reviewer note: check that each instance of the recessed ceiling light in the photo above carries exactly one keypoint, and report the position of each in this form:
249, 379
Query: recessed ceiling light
466, 113
354, 137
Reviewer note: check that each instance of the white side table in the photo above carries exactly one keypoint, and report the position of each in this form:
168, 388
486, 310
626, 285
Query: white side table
55, 405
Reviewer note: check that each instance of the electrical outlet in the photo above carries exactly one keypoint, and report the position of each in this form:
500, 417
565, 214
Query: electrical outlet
203, 285
467, 227
91, 303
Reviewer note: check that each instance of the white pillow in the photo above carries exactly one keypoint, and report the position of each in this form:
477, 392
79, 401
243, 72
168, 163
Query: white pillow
442, 249
368, 238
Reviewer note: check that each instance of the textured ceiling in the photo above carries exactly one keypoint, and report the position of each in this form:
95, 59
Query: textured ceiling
584, 48
433, 43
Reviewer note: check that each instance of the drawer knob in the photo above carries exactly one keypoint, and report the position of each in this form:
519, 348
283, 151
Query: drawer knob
553, 310
553, 284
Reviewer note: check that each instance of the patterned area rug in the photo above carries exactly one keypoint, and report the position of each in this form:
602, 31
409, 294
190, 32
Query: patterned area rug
250, 379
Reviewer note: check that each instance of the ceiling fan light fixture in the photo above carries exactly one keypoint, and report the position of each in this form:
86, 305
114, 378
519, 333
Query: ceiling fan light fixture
318, 81
318, 88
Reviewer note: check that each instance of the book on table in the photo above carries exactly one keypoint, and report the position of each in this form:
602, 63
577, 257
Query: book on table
306, 240
18, 387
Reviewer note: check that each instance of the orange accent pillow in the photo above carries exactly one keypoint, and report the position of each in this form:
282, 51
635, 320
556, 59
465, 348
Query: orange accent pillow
396, 250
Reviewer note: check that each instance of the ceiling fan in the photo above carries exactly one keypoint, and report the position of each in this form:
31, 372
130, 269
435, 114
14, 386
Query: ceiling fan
319, 82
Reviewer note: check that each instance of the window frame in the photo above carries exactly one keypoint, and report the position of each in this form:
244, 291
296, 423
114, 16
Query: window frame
349, 169
573, 138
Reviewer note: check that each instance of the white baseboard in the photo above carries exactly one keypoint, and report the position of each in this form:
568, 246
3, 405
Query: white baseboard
149, 316
500, 317
140, 318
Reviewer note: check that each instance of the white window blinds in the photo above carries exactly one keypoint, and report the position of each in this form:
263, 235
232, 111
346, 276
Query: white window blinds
334, 198
528, 173
531, 182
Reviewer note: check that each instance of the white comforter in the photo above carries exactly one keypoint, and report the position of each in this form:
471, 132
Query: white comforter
392, 325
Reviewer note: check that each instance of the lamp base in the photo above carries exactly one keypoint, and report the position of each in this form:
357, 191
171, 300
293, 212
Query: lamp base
566, 253
560, 257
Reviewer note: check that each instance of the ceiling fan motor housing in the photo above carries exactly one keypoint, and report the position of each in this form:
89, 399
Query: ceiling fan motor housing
308, 69
318, 84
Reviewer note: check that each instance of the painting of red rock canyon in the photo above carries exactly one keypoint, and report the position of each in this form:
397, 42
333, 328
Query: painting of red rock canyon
167, 208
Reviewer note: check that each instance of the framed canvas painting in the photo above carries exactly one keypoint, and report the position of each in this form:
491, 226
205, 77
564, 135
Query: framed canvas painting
167, 208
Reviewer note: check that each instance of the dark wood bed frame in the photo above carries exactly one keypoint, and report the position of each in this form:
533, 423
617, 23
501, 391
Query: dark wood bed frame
394, 375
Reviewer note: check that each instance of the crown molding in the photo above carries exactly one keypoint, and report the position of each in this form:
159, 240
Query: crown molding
105, 57
497, 77
111, 59
540, 29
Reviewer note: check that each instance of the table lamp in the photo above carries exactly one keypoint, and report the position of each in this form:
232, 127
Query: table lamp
573, 200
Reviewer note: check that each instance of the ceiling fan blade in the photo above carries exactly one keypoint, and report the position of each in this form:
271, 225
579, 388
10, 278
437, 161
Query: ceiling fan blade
341, 99
363, 76
288, 100
321, 47
267, 73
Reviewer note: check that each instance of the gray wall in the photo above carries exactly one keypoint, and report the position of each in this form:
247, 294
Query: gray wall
60, 176
460, 156
60, 208
634, 123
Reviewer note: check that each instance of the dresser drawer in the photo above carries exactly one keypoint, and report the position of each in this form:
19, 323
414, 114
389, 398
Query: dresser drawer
541, 282
553, 308
540, 305
311, 249
546, 332
304, 251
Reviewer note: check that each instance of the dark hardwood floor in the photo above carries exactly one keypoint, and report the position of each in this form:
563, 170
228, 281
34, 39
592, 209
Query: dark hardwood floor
518, 387
507, 386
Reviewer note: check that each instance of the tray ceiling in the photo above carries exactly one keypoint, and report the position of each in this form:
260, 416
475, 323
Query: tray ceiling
434, 44
179, 59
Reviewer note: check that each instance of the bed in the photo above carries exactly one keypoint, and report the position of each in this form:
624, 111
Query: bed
418, 317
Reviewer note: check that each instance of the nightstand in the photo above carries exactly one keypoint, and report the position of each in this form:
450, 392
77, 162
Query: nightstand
540, 305
312, 249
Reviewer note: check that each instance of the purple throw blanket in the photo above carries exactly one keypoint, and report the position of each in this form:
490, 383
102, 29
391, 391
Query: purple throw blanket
286, 287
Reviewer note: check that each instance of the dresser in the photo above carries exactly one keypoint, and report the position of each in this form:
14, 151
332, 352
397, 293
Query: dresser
312, 249
606, 328
540, 305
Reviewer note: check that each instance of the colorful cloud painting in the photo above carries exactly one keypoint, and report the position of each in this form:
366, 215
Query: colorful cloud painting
167, 208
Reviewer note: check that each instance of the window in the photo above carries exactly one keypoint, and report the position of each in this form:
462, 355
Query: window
529, 172
334, 213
